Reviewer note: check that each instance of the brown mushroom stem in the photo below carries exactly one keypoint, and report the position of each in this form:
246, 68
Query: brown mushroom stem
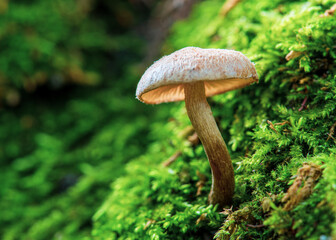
201, 117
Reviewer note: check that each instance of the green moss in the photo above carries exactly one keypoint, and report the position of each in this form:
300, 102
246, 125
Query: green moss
153, 202
63, 142
63, 146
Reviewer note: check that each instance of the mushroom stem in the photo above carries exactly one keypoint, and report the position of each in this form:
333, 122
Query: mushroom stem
201, 118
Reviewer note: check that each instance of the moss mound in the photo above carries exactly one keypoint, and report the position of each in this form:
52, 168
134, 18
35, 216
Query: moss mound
281, 134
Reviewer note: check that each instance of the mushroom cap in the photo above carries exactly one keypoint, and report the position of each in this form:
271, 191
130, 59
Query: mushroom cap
221, 70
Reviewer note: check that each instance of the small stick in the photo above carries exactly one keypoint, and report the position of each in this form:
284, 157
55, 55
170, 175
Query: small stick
193, 139
329, 12
200, 184
271, 126
282, 123
303, 105
255, 226
331, 132
293, 54
172, 159
228, 6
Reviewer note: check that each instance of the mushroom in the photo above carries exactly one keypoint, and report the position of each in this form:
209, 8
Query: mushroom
193, 74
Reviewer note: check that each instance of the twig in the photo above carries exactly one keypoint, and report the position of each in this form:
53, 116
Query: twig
293, 54
201, 218
172, 159
329, 12
271, 126
200, 184
255, 226
282, 123
148, 223
331, 132
228, 6
303, 105
193, 139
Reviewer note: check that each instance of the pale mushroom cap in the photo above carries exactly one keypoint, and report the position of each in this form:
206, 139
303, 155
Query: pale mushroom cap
221, 70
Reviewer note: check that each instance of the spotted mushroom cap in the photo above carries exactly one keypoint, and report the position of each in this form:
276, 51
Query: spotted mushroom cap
221, 70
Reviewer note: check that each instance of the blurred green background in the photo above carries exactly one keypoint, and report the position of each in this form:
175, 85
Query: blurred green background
68, 114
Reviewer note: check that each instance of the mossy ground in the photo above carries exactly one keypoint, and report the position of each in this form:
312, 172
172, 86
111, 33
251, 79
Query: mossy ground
82, 159
273, 129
